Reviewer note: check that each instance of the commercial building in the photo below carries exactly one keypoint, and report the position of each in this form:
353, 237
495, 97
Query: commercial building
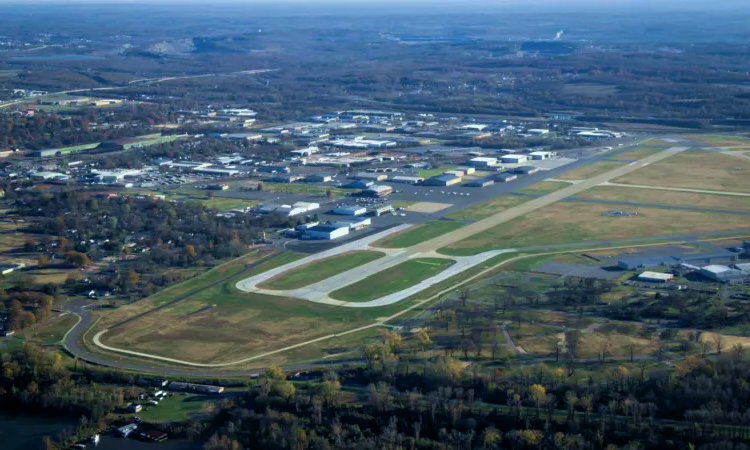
273, 169
536, 156
49, 153
285, 178
359, 184
291, 211
505, 177
480, 183
380, 190
514, 159
442, 180
406, 179
319, 178
355, 224
482, 161
349, 211
49, 176
455, 173
655, 277
216, 171
525, 170
467, 170
326, 232
267, 209
668, 260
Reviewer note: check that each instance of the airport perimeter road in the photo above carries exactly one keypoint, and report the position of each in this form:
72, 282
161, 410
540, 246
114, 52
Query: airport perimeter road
319, 292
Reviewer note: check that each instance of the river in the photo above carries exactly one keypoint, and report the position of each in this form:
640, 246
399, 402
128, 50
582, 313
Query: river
25, 432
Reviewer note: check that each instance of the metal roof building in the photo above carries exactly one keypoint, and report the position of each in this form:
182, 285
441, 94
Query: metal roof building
442, 180
655, 277
349, 211
406, 179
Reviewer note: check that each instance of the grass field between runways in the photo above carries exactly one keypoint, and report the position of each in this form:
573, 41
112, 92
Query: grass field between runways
570, 222
590, 171
695, 169
544, 187
638, 153
637, 195
418, 234
394, 279
320, 270
487, 208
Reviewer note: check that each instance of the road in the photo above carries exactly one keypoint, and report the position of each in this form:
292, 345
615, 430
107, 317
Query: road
320, 292
134, 82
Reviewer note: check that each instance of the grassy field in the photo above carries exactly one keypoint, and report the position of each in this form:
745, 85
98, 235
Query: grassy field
392, 280
225, 204
708, 201
221, 324
488, 208
320, 270
53, 331
638, 153
544, 187
304, 189
176, 408
695, 170
418, 234
77, 148
570, 222
718, 140
589, 171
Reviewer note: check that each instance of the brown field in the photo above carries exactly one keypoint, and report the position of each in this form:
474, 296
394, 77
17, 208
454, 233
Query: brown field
707, 201
590, 170
638, 153
486, 209
592, 343
571, 222
695, 170
428, 207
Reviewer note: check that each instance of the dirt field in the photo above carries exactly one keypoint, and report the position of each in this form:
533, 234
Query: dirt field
695, 170
582, 222
590, 170
708, 201
428, 207
488, 208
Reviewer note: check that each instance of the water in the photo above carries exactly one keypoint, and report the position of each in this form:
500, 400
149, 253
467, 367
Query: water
70, 57
25, 432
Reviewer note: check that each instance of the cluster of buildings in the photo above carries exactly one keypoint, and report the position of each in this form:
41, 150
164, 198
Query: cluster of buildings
296, 209
723, 267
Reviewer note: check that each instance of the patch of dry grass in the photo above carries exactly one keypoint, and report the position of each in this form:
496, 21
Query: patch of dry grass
589, 171
638, 195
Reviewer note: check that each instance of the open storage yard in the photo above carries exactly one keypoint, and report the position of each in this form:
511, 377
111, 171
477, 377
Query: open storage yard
590, 170
695, 169
419, 234
392, 280
571, 222
707, 201
320, 270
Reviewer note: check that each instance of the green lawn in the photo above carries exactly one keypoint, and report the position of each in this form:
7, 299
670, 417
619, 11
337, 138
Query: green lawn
420, 233
392, 280
78, 148
320, 270
176, 408
638, 153
225, 204
488, 208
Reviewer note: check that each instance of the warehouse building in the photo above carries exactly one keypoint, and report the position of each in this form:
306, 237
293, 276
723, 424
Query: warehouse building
50, 153
371, 176
319, 178
666, 260
537, 156
267, 209
326, 232
482, 161
455, 172
406, 179
505, 177
291, 211
525, 170
219, 172
467, 170
721, 273
480, 183
49, 176
307, 205
355, 224
514, 159
655, 277
349, 211
379, 190
442, 180
285, 178
359, 184
274, 169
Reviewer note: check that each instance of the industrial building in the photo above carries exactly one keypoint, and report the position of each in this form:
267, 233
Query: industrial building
285, 178
480, 183
406, 179
525, 170
482, 161
267, 209
197, 388
655, 277
442, 180
308, 206
467, 170
722, 273
455, 172
349, 211
359, 184
326, 232
505, 177
379, 190
50, 153
49, 176
216, 171
273, 169
319, 178
291, 211
355, 224
218, 187
514, 159
536, 156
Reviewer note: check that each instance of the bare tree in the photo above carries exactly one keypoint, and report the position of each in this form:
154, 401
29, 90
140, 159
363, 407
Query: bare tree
631, 350
719, 342
557, 350
464, 295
